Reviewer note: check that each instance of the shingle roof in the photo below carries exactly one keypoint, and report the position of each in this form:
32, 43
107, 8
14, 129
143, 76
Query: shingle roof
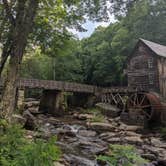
156, 48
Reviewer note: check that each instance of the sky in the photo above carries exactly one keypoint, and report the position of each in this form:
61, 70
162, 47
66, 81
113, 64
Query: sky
91, 26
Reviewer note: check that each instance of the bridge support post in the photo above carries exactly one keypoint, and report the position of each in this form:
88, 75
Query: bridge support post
20, 98
52, 102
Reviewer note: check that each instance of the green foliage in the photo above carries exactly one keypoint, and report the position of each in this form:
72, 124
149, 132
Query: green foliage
98, 118
103, 55
97, 115
15, 150
124, 155
163, 132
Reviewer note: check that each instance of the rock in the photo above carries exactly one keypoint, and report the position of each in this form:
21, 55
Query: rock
78, 161
156, 142
101, 126
31, 104
153, 150
131, 133
31, 122
58, 164
130, 127
34, 110
162, 162
109, 110
133, 140
65, 132
18, 119
53, 121
85, 116
87, 133
107, 135
114, 140
149, 156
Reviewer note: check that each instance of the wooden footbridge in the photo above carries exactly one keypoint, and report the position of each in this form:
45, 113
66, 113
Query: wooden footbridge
52, 97
68, 86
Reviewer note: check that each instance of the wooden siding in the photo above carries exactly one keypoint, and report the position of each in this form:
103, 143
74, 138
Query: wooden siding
162, 76
142, 69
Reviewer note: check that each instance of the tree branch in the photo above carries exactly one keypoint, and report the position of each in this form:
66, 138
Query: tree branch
8, 12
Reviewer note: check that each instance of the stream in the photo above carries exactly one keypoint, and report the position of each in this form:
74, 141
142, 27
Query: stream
79, 144
81, 140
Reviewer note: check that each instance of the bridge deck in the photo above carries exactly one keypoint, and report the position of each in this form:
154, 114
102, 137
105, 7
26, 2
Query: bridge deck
67, 86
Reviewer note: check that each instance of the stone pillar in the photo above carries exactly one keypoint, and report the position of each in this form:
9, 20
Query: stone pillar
20, 98
52, 102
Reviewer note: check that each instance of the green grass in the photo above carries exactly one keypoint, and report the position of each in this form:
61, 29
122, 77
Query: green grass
124, 155
15, 150
98, 116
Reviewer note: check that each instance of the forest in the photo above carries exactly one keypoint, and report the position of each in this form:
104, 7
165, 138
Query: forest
36, 42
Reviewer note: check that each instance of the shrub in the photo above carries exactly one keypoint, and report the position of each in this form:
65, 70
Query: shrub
124, 155
15, 150
98, 116
163, 132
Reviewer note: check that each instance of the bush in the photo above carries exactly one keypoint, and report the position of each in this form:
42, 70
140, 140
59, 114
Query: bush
98, 116
15, 150
124, 155
163, 132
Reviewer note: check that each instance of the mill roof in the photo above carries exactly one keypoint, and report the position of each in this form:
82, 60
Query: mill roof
156, 48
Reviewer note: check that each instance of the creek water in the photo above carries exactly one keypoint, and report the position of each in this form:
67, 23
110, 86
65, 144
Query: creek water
79, 145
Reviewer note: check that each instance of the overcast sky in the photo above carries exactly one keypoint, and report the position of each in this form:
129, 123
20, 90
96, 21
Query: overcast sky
91, 26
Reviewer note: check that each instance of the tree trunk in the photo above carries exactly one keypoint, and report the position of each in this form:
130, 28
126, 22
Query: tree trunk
23, 26
8, 98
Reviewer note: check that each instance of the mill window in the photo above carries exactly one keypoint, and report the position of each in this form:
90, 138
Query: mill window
150, 63
151, 79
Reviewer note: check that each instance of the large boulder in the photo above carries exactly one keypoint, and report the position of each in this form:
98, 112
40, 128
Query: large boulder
31, 122
98, 126
18, 119
109, 110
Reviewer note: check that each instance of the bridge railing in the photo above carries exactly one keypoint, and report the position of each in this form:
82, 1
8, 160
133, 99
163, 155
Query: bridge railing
68, 86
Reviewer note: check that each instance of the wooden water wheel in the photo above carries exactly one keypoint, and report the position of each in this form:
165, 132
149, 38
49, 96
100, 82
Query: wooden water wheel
147, 104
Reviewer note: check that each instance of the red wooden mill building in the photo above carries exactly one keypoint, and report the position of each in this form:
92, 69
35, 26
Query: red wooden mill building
146, 67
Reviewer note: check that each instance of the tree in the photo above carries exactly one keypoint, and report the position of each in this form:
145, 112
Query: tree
21, 14
104, 54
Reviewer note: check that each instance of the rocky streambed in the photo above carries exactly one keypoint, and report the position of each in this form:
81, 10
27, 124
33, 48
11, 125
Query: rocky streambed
82, 140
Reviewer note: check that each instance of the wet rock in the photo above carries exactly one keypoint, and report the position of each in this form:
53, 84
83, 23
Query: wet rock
34, 110
53, 121
107, 135
85, 116
131, 133
31, 122
87, 133
65, 132
162, 162
130, 127
31, 104
79, 161
156, 142
18, 119
109, 110
149, 156
133, 140
114, 140
101, 126
93, 148
58, 164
